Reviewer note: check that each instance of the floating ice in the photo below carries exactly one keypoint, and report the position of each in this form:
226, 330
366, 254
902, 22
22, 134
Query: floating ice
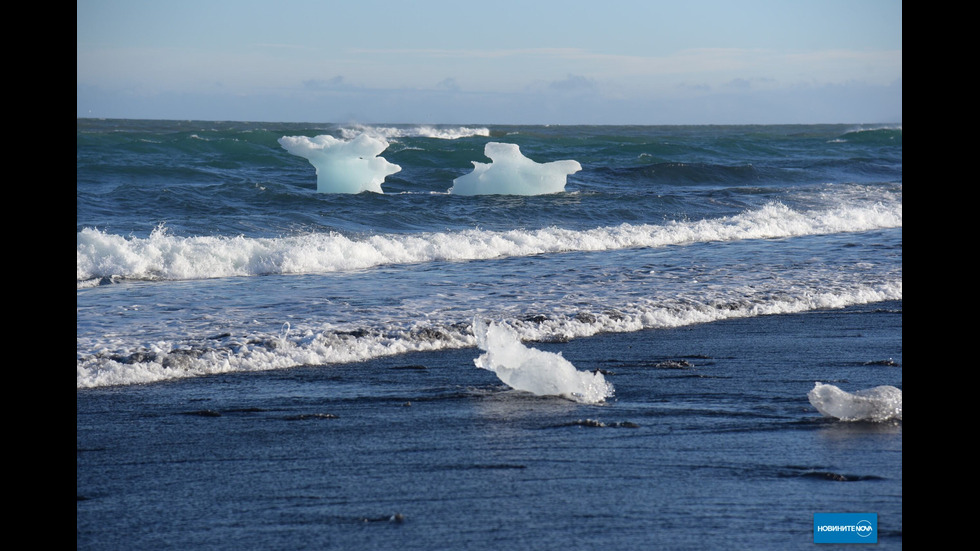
511, 173
343, 166
535, 371
881, 403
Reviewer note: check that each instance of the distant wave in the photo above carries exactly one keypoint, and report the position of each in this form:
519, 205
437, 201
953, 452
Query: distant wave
882, 134
896, 126
161, 256
441, 132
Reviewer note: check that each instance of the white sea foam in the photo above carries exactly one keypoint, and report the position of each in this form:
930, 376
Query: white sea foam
511, 173
881, 403
391, 132
343, 166
400, 332
161, 360
162, 256
643, 314
535, 371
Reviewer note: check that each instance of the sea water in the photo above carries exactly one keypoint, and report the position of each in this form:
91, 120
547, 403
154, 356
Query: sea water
214, 276
205, 247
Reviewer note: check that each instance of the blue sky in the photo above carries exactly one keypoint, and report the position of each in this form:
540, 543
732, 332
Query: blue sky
496, 62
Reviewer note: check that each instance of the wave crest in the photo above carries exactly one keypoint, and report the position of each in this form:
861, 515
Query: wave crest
162, 256
439, 132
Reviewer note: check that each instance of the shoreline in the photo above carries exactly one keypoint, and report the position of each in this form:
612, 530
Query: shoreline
613, 337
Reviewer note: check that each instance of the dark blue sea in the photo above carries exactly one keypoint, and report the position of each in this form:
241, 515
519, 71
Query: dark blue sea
631, 362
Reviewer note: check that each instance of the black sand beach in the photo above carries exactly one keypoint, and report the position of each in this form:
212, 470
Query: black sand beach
708, 443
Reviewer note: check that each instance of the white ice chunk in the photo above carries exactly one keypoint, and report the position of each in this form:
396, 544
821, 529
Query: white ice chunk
511, 173
535, 371
881, 403
343, 166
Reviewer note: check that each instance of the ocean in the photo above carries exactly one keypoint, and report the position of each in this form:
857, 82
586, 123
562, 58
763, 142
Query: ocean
632, 362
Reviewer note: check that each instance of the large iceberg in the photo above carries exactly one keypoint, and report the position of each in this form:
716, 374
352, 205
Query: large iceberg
535, 371
343, 166
511, 173
881, 403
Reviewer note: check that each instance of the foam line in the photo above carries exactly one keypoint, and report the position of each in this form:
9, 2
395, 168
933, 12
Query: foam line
163, 256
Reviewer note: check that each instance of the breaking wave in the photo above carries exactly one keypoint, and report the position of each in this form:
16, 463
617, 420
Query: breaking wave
104, 257
423, 131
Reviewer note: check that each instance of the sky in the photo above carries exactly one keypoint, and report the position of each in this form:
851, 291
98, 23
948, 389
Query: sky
492, 62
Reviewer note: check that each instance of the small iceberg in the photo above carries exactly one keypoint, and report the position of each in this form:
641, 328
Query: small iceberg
343, 166
511, 173
881, 403
535, 371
